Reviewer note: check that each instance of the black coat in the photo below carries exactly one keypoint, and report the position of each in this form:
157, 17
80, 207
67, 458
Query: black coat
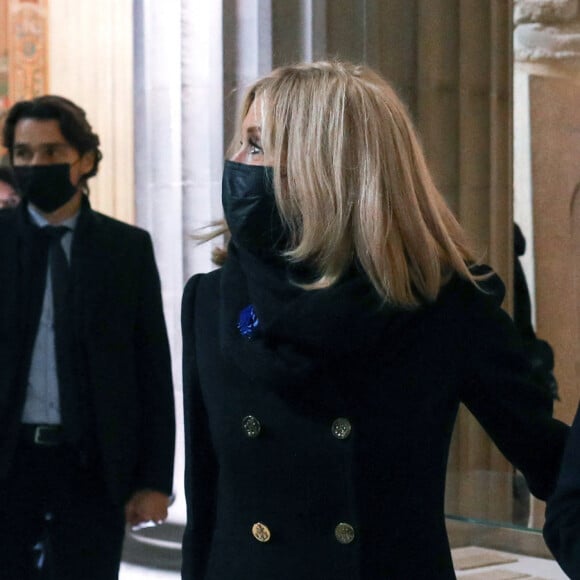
121, 340
261, 436
562, 529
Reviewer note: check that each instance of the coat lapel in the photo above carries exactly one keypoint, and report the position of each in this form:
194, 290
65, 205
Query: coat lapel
88, 269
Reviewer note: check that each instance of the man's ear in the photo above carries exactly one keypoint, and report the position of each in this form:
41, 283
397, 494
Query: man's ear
87, 162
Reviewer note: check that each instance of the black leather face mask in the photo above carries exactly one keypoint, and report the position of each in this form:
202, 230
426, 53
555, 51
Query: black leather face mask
250, 208
47, 187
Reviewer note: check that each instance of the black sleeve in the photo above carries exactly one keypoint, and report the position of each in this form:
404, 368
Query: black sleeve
501, 394
200, 461
155, 470
522, 314
562, 529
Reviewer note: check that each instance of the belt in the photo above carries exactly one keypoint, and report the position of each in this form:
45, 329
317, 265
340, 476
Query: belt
43, 435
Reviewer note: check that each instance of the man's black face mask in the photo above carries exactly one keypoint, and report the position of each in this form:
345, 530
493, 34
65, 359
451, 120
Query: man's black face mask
47, 187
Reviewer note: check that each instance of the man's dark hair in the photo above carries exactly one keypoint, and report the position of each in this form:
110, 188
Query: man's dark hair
72, 121
7, 176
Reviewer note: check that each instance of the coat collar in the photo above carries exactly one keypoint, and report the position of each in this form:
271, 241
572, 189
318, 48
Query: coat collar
301, 332
28, 230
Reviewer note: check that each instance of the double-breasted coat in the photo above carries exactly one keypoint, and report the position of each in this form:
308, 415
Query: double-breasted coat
317, 447
121, 344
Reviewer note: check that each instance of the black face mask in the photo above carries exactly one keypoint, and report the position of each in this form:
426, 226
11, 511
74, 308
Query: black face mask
250, 208
47, 187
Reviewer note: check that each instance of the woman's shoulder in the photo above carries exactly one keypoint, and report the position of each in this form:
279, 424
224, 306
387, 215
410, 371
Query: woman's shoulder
486, 290
196, 280
197, 283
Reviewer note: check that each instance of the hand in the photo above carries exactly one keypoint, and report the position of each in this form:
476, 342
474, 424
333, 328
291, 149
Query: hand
146, 505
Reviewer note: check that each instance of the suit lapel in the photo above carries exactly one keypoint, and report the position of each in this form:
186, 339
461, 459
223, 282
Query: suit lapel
88, 269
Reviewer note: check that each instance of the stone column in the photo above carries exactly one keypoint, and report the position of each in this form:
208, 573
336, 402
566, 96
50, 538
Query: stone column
92, 64
158, 170
247, 52
437, 92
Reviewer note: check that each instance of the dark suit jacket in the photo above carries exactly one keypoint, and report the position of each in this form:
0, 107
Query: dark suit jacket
562, 529
121, 340
397, 377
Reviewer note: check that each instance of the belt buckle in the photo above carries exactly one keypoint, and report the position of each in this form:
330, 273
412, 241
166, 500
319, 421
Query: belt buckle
39, 438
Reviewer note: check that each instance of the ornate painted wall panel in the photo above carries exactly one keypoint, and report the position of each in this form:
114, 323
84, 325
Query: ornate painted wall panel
3, 54
23, 51
27, 48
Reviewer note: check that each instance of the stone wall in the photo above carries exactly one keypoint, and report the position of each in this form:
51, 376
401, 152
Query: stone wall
547, 30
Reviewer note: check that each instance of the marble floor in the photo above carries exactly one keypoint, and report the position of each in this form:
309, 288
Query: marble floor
525, 567
133, 572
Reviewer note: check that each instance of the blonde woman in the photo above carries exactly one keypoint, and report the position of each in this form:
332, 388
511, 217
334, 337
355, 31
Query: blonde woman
325, 361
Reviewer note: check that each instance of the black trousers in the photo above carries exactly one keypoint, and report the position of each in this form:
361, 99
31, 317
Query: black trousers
56, 520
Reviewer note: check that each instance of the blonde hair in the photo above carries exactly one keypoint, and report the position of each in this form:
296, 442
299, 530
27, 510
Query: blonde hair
352, 183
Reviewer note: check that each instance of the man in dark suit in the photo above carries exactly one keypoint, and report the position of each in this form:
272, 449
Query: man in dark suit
562, 529
87, 423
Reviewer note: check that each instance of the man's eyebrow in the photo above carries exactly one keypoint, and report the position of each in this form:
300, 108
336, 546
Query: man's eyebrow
47, 144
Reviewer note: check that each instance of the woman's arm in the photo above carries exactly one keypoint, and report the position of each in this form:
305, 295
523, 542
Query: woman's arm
500, 391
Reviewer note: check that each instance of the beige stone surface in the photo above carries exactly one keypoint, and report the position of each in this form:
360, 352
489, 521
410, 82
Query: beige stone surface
545, 10
473, 557
537, 42
555, 143
498, 575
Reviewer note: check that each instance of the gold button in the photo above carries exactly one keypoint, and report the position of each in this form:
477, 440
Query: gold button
344, 533
341, 428
251, 426
261, 532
